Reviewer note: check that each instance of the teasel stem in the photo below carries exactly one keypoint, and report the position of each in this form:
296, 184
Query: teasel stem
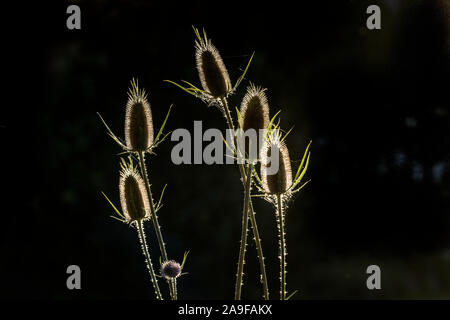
282, 242
175, 294
143, 242
154, 218
241, 262
251, 212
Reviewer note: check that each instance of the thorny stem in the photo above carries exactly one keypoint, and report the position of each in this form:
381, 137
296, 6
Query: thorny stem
250, 211
240, 269
154, 218
280, 220
143, 242
175, 294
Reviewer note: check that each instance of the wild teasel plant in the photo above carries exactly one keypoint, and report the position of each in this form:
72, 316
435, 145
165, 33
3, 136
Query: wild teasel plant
253, 115
278, 188
139, 140
136, 209
217, 88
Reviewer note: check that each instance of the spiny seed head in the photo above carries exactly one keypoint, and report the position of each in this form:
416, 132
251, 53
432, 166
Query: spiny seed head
254, 111
138, 120
281, 181
133, 195
211, 69
170, 269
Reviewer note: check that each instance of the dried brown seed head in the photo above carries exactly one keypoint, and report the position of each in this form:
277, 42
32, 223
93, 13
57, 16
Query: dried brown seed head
138, 120
255, 109
211, 69
133, 195
281, 181
254, 112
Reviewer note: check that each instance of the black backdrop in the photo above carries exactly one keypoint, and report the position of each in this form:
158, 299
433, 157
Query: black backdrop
374, 103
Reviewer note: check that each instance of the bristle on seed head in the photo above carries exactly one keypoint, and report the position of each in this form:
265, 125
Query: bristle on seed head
211, 69
138, 120
133, 195
281, 181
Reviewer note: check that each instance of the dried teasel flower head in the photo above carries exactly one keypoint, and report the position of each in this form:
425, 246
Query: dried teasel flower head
281, 181
133, 195
170, 269
138, 120
211, 69
254, 112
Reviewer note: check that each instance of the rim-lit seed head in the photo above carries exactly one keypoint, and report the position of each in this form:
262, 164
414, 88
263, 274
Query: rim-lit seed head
281, 181
254, 111
138, 120
133, 195
170, 269
211, 69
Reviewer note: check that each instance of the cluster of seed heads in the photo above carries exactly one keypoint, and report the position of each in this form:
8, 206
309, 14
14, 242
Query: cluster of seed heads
135, 193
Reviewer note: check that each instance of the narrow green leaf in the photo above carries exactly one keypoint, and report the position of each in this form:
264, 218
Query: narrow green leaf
303, 160
192, 87
284, 137
118, 219
302, 186
269, 127
110, 133
255, 173
114, 207
161, 196
245, 71
184, 259
181, 87
290, 296
239, 117
304, 170
164, 123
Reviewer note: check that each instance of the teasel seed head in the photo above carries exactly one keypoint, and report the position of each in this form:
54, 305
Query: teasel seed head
254, 111
280, 182
170, 269
211, 69
138, 120
133, 195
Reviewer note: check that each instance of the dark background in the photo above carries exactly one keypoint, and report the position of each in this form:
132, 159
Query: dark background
374, 103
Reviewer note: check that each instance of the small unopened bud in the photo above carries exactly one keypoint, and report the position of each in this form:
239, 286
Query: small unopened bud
170, 269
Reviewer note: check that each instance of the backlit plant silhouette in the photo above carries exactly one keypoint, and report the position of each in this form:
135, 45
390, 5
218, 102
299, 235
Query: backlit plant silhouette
277, 187
254, 115
135, 191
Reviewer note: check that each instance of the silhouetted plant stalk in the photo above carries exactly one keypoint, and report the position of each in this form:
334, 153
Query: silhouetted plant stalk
216, 88
148, 259
242, 249
139, 139
254, 115
156, 226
